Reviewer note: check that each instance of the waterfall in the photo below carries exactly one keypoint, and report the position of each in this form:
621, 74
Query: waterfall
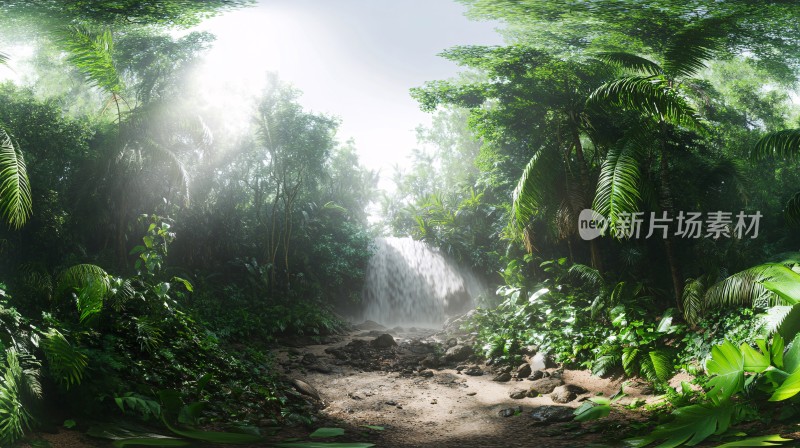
410, 283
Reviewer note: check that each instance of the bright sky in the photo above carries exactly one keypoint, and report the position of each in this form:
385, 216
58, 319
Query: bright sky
355, 59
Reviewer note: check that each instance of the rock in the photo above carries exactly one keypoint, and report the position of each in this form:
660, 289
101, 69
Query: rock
524, 370
544, 386
538, 374
391, 403
434, 401
461, 367
553, 414
426, 373
503, 377
430, 361
565, 394
473, 371
505, 369
305, 389
383, 341
458, 353
539, 362
471, 394
369, 325
452, 342
321, 368
518, 394
397, 329
508, 412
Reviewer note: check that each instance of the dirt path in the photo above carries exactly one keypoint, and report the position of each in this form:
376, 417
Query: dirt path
443, 407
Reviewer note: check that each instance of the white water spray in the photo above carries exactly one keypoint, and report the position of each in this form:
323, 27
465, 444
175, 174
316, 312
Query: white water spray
410, 283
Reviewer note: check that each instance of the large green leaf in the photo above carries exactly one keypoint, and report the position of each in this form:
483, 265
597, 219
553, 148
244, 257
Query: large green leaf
324, 445
770, 440
754, 361
662, 364
123, 436
618, 185
785, 283
232, 438
15, 190
789, 388
692, 425
327, 432
727, 367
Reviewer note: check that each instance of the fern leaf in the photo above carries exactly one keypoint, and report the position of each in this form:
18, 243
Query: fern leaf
66, 362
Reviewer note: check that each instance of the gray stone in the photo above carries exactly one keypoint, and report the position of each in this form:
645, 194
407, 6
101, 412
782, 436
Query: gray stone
565, 394
473, 371
524, 370
508, 412
458, 353
502, 378
544, 386
430, 361
426, 373
538, 374
518, 394
452, 342
384, 341
553, 414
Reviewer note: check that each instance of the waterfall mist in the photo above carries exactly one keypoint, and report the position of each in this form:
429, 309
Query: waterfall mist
410, 283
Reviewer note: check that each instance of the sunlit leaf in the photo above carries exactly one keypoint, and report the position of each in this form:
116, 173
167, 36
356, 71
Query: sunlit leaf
727, 367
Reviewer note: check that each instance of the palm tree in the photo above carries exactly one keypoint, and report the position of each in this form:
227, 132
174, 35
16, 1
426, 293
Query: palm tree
658, 94
555, 184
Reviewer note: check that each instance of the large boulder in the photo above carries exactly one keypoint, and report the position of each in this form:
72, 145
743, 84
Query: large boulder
567, 393
524, 370
544, 386
383, 341
458, 353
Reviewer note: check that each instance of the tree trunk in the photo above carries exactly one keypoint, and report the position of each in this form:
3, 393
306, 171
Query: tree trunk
666, 205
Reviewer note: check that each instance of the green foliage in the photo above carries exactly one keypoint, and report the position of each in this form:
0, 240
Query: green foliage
15, 418
692, 425
15, 189
67, 364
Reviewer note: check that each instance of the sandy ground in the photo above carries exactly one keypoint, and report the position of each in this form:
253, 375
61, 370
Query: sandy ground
451, 409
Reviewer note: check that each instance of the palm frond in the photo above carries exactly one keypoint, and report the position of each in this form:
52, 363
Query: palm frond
3, 58
693, 298
649, 95
91, 53
586, 274
746, 288
15, 418
630, 61
66, 362
15, 190
77, 277
618, 185
792, 210
148, 333
531, 191
783, 145
688, 49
